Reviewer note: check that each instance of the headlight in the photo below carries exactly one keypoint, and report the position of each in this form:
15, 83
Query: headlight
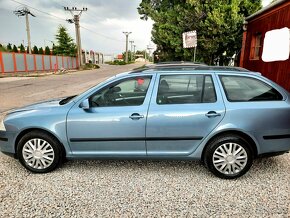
2, 127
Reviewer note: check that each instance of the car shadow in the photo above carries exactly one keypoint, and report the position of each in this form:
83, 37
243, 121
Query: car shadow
270, 165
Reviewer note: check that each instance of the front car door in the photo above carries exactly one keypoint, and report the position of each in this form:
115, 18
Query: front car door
184, 109
114, 125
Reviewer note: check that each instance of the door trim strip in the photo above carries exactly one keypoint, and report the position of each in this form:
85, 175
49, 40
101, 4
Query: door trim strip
135, 139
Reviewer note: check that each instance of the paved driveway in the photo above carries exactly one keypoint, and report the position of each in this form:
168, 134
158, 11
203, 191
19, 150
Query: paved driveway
20, 91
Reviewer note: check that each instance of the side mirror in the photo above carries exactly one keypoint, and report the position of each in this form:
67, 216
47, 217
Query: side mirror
85, 104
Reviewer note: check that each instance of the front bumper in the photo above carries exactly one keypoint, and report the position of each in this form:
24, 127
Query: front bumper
7, 141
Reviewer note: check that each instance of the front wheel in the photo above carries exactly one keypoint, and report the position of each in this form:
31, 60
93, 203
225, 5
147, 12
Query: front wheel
228, 157
39, 152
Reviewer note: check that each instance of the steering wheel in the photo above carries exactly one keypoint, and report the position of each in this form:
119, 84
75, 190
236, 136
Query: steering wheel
123, 98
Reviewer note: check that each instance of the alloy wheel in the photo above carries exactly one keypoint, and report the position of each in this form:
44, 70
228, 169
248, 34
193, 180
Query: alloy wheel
230, 158
38, 153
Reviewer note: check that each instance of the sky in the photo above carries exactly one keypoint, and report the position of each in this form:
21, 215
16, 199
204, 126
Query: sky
101, 26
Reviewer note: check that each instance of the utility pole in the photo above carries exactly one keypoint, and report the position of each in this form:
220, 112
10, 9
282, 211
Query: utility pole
25, 12
134, 48
131, 42
127, 36
76, 21
134, 52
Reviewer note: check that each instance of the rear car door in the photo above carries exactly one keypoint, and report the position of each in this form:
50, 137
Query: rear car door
259, 108
184, 109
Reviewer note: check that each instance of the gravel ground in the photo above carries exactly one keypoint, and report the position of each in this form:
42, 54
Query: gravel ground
144, 188
131, 188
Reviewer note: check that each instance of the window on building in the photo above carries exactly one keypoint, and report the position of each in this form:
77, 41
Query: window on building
256, 45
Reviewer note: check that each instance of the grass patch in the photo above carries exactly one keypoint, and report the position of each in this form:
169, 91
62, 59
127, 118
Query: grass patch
116, 62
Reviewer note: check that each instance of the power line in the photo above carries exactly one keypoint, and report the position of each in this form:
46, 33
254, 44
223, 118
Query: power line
38, 10
94, 16
99, 34
56, 17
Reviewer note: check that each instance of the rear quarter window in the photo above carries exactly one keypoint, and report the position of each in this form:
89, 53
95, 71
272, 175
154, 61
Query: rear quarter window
245, 89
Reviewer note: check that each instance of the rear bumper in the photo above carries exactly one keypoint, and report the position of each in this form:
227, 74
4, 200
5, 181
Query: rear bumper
7, 140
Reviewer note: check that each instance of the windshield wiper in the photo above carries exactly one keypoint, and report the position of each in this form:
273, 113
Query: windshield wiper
66, 100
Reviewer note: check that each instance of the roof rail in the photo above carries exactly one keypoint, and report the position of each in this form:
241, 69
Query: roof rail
187, 66
174, 64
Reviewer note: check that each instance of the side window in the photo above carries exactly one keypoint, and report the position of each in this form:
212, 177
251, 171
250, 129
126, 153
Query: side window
238, 88
185, 89
128, 92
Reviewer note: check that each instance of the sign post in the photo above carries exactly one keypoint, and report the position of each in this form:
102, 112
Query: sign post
190, 41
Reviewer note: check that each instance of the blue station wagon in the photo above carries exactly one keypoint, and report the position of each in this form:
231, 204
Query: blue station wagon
223, 116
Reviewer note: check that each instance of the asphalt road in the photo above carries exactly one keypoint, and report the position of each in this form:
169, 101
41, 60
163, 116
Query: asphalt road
104, 188
20, 91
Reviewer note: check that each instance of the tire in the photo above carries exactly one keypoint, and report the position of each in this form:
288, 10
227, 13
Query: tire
228, 156
39, 152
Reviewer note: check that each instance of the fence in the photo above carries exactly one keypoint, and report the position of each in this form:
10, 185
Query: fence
20, 62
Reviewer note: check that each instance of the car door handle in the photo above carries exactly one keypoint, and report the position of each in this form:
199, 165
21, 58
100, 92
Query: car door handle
136, 116
213, 114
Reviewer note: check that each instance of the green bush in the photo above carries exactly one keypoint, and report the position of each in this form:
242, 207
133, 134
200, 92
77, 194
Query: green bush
90, 66
121, 63
117, 62
2, 48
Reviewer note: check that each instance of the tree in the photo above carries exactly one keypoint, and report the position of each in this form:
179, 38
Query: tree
65, 44
35, 50
129, 55
15, 49
40, 50
2, 48
47, 50
9, 47
53, 49
218, 24
22, 49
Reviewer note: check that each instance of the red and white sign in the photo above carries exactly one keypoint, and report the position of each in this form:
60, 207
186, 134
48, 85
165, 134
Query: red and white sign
189, 39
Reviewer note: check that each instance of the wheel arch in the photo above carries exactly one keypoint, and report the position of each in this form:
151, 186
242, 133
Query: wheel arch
25, 131
248, 138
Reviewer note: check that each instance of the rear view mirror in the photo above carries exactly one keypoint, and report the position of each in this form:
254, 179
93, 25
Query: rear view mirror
85, 104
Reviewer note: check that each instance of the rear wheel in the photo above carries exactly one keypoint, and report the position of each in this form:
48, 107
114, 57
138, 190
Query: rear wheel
39, 152
228, 156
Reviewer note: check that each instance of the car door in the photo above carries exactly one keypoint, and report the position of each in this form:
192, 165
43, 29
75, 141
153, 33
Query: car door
184, 109
114, 123
258, 107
